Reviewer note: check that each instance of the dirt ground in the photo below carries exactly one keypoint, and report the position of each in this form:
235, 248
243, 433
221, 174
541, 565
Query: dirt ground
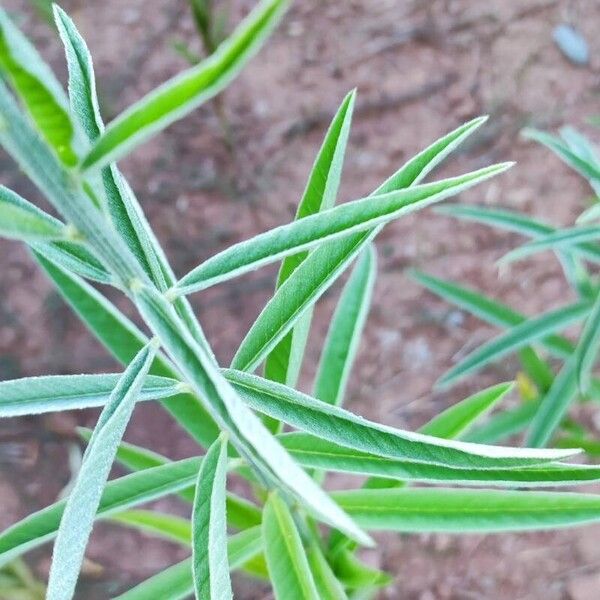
421, 68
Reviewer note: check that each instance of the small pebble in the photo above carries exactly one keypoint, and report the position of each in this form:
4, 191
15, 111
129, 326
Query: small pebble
572, 44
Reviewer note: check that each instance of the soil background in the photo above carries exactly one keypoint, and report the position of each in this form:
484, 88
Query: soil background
421, 68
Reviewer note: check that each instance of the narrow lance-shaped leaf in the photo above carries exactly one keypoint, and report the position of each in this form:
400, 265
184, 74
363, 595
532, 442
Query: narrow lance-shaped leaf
554, 405
170, 527
21, 220
340, 221
176, 582
38, 89
345, 331
179, 96
504, 424
287, 305
82, 82
356, 575
589, 169
209, 526
570, 238
462, 511
66, 192
119, 495
588, 347
313, 452
285, 360
248, 434
592, 213
52, 393
84, 104
121, 202
580, 144
343, 427
514, 221
82, 505
486, 309
289, 570
458, 419
453, 422
517, 337
123, 340
327, 584
74, 258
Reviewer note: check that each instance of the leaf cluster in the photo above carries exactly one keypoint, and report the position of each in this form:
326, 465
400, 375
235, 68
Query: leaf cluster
261, 428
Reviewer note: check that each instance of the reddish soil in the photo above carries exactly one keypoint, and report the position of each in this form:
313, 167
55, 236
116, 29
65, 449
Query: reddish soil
421, 68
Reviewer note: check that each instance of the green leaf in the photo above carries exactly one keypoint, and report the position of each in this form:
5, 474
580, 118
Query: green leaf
462, 511
122, 205
587, 348
117, 333
529, 331
569, 238
80, 510
284, 362
589, 169
591, 213
340, 221
580, 144
75, 258
82, 82
554, 405
21, 220
513, 221
209, 526
182, 94
118, 495
248, 434
38, 89
537, 369
312, 452
175, 529
497, 217
356, 575
287, 305
456, 420
289, 570
123, 339
129, 220
52, 393
343, 427
504, 424
176, 582
486, 309
345, 331
590, 446
327, 584
121, 202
